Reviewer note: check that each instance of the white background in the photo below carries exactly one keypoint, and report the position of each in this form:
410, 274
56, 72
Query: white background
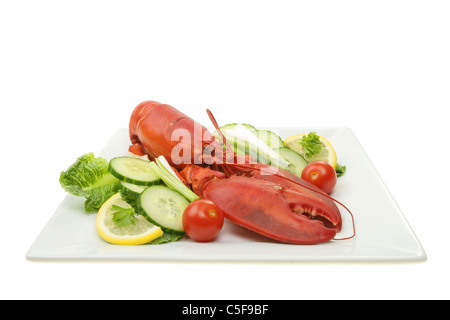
71, 72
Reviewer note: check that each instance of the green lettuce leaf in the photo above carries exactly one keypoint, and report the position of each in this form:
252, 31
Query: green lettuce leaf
89, 177
166, 238
340, 170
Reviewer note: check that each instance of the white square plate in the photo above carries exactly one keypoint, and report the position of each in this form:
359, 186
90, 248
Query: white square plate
382, 232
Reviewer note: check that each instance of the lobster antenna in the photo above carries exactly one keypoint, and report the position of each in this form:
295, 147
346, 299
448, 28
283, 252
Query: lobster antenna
214, 122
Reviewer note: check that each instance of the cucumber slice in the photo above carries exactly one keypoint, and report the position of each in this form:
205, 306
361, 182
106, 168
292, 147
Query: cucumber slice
132, 188
133, 170
259, 144
270, 138
232, 125
164, 207
239, 146
130, 193
296, 162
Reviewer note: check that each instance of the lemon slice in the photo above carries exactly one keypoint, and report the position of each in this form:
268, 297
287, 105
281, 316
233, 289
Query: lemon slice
327, 154
141, 232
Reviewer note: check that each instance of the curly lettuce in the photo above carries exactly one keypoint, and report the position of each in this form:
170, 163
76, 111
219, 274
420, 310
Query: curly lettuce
89, 177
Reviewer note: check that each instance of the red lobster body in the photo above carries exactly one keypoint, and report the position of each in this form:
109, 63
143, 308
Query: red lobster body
158, 129
280, 206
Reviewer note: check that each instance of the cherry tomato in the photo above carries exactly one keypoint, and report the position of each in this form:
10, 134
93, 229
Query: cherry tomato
321, 174
202, 220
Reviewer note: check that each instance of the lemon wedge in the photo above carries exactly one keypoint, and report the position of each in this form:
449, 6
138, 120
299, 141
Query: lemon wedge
137, 233
327, 154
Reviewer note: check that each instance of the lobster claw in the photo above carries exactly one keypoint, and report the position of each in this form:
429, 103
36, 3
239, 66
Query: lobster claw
313, 208
304, 197
272, 210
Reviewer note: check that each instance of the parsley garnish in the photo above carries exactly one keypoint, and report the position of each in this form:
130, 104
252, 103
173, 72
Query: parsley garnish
312, 144
340, 170
123, 216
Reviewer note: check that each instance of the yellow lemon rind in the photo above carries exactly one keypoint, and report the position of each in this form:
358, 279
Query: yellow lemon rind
291, 143
152, 233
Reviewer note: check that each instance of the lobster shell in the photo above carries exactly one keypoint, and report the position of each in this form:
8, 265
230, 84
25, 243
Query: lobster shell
157, 129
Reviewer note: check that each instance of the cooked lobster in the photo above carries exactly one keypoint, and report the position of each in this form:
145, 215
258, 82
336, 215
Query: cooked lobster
159, 129
266, 200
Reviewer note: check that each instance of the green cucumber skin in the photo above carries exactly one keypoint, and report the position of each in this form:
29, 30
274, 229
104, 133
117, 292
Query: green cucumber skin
270, 138
124, 178
143, 212
293, 158
129, 188
238, 146
241, 147
163, 228
232, 125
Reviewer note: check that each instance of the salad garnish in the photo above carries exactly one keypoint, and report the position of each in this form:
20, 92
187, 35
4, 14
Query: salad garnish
312, 144
89, 177
163, 169
123, 217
